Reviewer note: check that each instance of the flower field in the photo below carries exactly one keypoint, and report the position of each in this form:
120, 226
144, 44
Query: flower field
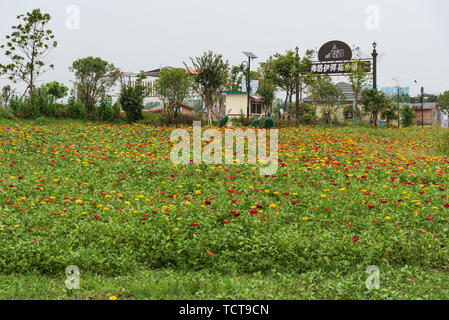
107, 199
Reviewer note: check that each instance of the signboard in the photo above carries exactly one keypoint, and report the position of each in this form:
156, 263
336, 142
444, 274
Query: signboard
335, 51
337, 67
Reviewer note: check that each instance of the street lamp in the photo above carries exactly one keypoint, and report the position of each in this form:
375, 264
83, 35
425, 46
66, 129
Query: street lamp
250, 56
374, 55
422, 106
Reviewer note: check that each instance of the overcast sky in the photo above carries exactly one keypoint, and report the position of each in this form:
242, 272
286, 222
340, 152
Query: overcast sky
412, 35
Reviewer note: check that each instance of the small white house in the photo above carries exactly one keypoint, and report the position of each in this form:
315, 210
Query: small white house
236, 104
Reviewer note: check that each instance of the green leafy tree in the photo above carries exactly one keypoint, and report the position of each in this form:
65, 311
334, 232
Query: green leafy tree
210, 76
282, 69
358, 77
174, 86
407, 115
267, 91
375, 102
6, 94
390, 112
443, 102
93, 78
56, 90
131, 98
327, 95
27, 48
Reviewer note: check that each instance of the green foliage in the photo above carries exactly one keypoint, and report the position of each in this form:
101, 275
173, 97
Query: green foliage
107, 111
327, 95
76, 109
307, 113
174, 85
27, 48
6, 113
443, 101
376, 103
131, 100
357, 77
56, 90
210, 76
93, 78
407, 115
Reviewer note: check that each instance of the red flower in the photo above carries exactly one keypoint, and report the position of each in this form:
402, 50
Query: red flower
294, 202
210, 253
208, 202
97, 217
253, 211
225, 221
194, 224
371, 206
430, 218
354, 239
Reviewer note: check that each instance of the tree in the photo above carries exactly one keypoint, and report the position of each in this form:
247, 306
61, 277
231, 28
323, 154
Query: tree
131, 98
407, 115
389, 112
443, 102
210, 75
27, 48
234, 79
283, 70
56, 90
267, 91
174, 86
327, 95
358, 77
303, 78
93, 78
374, 102
6, 94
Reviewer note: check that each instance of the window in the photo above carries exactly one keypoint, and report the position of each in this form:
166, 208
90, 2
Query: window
256, 108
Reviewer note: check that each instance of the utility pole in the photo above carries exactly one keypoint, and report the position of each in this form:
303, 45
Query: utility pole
250, 56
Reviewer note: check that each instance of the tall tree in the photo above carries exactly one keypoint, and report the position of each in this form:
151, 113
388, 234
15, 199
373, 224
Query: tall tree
374, 102
174, 86
6, 94
443, 102
358, 77
283, 70
267, 90
131, 98
93, 78
327, 95
27, 48
210, 75
56, 90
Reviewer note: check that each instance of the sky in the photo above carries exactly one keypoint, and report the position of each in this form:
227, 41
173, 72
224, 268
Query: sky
412, 36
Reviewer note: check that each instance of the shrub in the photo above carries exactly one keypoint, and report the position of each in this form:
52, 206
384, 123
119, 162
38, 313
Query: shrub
106, 110
407, 115
152, 119
131, 100
76, 109
6, 113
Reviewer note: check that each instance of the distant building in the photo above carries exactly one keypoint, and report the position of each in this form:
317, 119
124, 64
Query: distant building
236, 104
392, 91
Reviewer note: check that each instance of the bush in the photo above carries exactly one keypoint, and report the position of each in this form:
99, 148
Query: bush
407, 115
6, 113
107, 111
76, 109
152, 119
131, 100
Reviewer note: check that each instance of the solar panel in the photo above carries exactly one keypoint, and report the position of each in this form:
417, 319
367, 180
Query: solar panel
249, 55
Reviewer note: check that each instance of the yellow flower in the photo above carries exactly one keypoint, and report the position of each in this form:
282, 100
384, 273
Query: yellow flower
112, 298
187, 202
16, 225
305, 218
198, 192
272, 205
175, 229
387, 218
323, 196
1, 229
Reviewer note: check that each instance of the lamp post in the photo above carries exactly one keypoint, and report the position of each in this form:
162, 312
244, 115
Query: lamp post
297, 80
422, 107
250, 56
374, 55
